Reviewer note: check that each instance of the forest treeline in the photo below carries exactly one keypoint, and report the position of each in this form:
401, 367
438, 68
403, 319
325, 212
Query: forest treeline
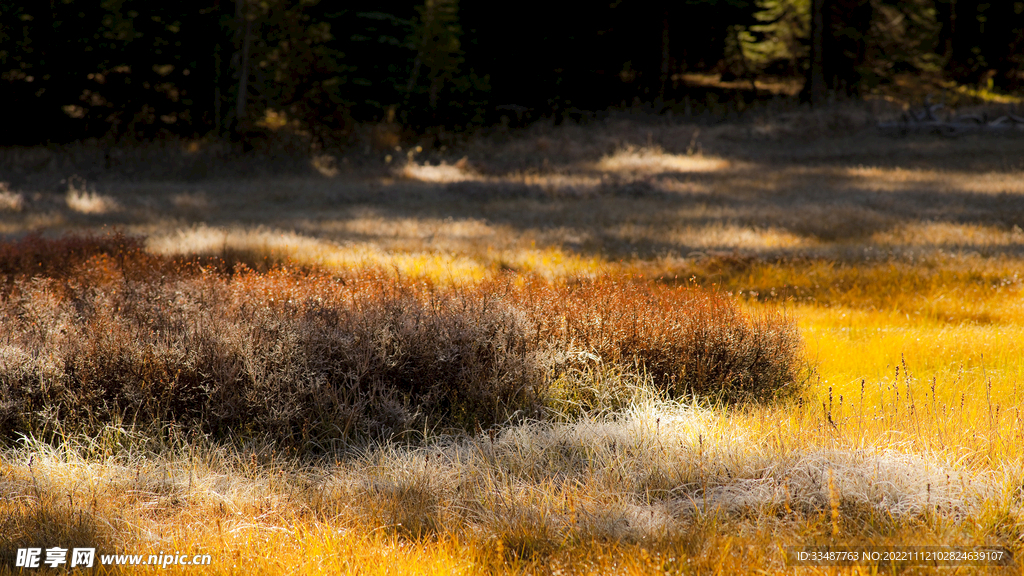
75, 69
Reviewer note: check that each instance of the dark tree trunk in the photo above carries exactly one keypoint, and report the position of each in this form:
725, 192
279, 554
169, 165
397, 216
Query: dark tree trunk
815, 89
945, 13
838, 47
665, 55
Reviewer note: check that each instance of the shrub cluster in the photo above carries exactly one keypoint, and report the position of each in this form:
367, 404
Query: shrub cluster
96, 330
689, 341
35, 255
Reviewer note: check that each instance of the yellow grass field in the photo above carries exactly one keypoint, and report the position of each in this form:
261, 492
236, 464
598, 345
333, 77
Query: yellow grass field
899, 260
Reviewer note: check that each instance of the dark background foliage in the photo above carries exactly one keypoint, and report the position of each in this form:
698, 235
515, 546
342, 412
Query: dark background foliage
139, 70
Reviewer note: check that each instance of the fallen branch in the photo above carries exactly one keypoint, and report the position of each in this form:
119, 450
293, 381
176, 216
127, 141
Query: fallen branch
925, 121
951, 129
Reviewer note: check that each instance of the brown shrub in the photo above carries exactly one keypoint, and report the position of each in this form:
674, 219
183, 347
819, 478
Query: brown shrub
298, 357
35, 255
689, 341
111, 334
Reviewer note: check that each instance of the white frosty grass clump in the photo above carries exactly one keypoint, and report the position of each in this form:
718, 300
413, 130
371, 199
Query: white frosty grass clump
650, 471
645, 472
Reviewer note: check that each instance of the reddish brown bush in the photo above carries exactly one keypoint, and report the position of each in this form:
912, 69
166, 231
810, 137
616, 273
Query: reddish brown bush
111, 333
34, 255
690, 341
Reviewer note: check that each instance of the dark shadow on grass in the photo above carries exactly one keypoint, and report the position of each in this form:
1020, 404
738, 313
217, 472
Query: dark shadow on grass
830, 208
811, 190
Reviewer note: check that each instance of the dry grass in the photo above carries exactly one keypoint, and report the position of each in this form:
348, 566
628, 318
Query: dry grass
588, 197
898, 259
662, 479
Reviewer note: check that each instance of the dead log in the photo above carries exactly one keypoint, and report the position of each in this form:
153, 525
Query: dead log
925, 121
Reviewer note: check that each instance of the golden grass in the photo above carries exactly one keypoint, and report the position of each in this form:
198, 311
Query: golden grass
899, 259
661, 479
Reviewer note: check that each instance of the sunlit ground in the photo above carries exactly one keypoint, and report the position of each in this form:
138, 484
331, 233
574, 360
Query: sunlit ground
900, 261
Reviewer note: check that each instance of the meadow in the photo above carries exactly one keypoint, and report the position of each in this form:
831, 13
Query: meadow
623, 347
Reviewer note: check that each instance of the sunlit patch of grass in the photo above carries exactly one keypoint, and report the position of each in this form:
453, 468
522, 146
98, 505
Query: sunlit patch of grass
652, 159
982, 361
887, 179
80, 198
10, 201
91, 202
944, 335
263, 247
548, 262
952, 288
712, 236
209, 241
951, 236
325, 548
442, 172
